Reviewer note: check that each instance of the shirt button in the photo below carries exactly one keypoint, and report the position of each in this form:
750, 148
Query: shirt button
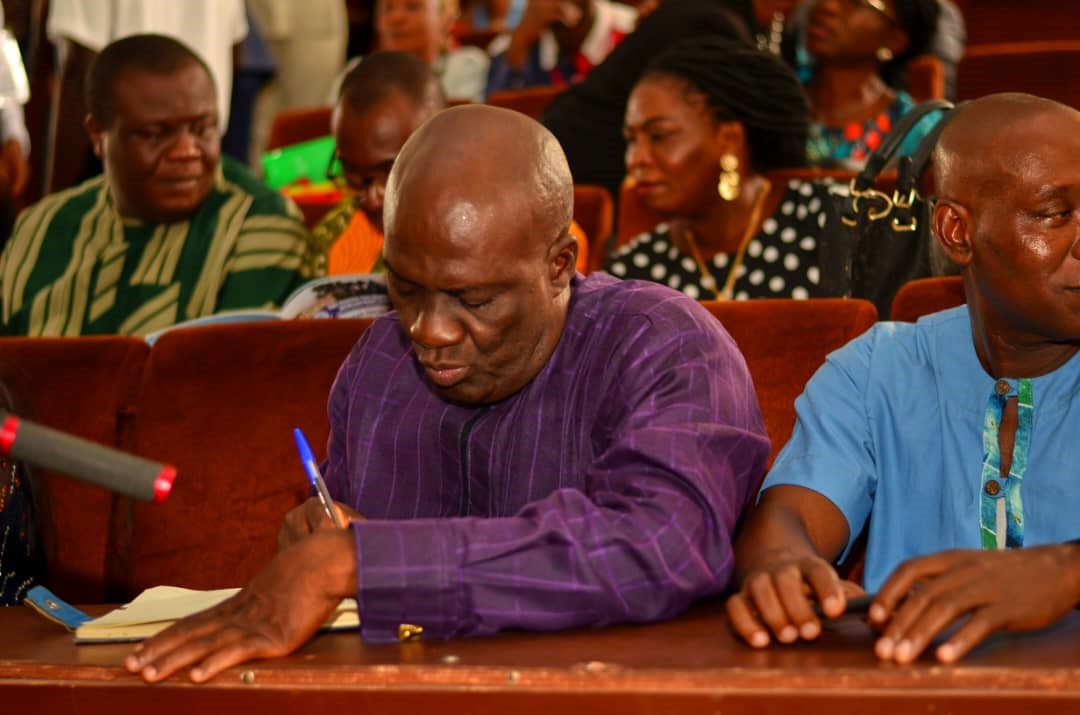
1002, 387
993, 488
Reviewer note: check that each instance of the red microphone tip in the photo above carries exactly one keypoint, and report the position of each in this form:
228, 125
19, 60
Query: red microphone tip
8, 430
163, 483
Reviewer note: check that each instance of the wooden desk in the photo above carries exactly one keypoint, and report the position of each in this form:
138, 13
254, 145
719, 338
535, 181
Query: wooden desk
690, 665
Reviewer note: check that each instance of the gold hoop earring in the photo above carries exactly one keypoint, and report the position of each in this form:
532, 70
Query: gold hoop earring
883, 54
728, 186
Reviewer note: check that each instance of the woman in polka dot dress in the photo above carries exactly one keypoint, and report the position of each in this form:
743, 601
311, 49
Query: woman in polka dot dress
704, 125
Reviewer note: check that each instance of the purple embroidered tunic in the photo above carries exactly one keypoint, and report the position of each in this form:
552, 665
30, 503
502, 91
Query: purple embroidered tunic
606, 490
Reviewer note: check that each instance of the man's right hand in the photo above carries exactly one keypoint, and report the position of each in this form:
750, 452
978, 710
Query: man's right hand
310, 517
776, 599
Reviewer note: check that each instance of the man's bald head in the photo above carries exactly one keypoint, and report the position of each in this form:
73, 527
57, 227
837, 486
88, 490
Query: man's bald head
485, 159
984, 138
1008, 213
478, 253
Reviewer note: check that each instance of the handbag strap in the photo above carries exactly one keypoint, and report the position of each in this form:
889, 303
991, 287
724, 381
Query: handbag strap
881, 156
910, 170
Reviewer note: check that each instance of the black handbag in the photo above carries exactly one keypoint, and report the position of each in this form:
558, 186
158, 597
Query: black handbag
873, 243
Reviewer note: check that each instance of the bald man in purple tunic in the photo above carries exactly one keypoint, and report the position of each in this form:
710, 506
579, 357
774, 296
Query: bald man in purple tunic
517, 446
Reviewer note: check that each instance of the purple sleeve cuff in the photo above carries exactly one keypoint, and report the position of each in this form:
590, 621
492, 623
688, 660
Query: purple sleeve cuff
408, 572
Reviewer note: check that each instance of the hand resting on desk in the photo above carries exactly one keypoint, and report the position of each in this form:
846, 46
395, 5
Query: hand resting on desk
779, 598
781, 564
310, 517
1014, 590
276, 613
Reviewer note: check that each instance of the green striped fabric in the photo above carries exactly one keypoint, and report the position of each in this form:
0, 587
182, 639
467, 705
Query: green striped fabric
73, 266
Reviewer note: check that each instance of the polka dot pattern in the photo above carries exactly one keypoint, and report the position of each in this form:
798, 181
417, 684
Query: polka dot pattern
780, 262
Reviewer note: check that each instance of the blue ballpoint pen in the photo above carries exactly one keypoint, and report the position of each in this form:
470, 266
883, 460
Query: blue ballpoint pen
312, 469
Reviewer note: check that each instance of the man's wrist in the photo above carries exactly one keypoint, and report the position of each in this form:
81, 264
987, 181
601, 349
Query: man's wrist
335, 551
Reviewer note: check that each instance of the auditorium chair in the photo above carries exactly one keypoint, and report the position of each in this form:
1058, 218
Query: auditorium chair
594, 211
1045, 68
785, 341
927, 295
993, 21
219, 403
293, 126
925, 78
87, 387
225, 420
531, 101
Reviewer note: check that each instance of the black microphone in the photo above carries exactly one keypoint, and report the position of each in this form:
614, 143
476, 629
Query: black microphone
88, 461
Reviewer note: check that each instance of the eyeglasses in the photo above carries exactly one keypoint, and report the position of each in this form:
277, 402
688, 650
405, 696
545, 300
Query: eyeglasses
340, 178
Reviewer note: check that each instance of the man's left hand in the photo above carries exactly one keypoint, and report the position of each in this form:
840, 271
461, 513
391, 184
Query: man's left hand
272, 616
1014, 590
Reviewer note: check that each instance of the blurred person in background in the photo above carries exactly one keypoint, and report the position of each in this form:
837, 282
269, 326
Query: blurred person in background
14, 137
422, 27
557, 42
81, 28
382, 101
306, 42
587, 118
171, 231
853, 67
705, 125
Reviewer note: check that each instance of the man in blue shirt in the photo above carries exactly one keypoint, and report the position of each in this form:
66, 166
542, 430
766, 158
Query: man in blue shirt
951, 435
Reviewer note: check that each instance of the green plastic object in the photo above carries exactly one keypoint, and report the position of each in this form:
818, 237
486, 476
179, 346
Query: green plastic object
306, 161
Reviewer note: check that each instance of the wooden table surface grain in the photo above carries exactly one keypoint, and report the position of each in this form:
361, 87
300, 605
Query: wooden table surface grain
692, 664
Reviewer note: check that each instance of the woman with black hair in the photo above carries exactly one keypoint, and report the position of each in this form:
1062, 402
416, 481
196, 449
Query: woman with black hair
20, 556
705, 124
853, 64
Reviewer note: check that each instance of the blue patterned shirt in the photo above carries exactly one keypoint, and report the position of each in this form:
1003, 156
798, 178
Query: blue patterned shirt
891, 428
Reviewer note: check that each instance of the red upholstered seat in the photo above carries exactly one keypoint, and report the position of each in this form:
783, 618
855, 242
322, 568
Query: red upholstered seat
785, 342
990, 21
594, 211
925, 296
220, 403
925, 78
531, 100
296, 125
87, 387
1044, 68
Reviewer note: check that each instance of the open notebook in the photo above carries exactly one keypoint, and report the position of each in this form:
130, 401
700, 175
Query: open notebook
157, 608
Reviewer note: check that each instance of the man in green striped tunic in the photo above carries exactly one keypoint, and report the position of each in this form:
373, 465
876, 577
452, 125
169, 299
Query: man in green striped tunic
170, 232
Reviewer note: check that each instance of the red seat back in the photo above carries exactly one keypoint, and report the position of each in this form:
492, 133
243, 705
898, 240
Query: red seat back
927, 295
87, 387
784, 342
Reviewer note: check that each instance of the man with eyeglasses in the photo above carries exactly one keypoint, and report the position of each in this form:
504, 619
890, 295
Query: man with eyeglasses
382, 101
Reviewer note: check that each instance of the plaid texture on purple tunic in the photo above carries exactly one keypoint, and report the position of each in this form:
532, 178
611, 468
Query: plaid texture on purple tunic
606, 490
